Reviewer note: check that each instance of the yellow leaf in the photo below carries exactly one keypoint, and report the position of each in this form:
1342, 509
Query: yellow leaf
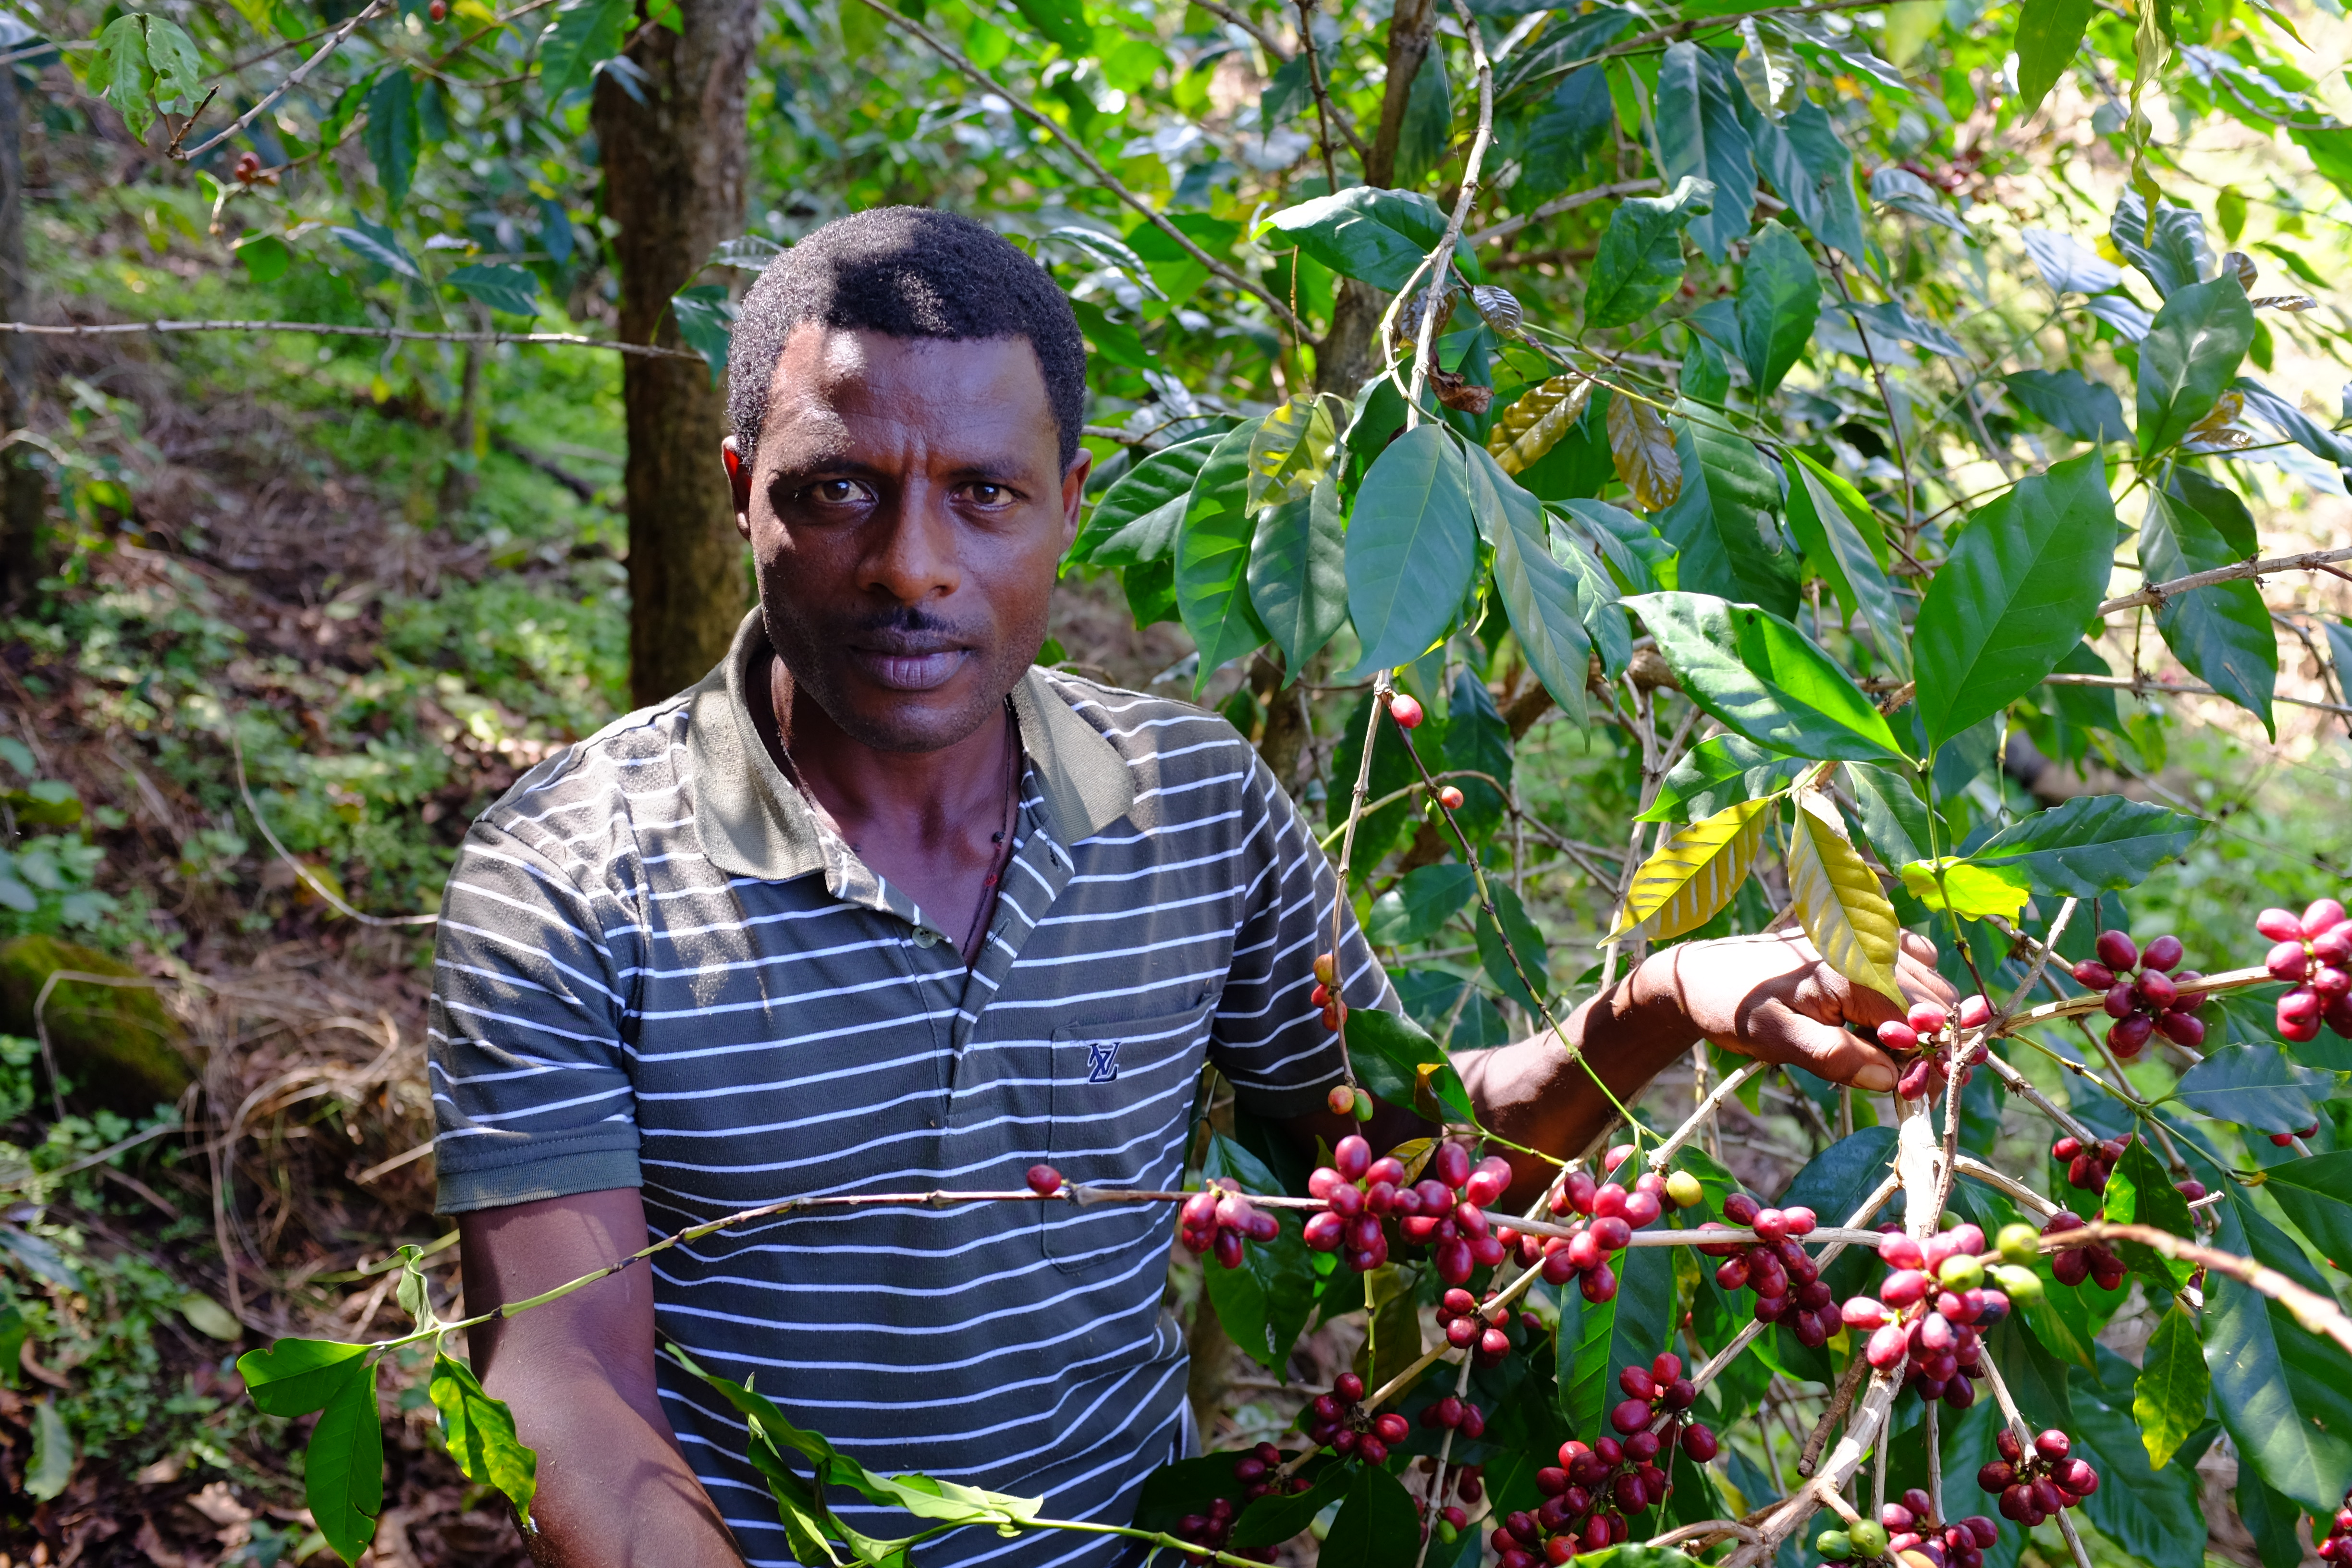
1642, 448
1695, 872
1533, 425
1838, 900
1974, 891
1292, 448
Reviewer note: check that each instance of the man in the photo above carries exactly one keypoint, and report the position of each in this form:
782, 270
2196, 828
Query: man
878, 906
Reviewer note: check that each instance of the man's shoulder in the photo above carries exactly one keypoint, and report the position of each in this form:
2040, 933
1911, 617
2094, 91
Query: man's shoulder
1185, 763
612, 773
1139, 725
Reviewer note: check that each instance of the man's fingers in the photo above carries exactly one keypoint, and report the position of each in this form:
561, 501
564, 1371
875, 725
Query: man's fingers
1823, 1049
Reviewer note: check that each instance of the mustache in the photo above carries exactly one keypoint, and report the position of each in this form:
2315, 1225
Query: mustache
909, 628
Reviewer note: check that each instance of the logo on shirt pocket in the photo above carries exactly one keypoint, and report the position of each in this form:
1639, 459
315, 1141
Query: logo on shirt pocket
1102, 1061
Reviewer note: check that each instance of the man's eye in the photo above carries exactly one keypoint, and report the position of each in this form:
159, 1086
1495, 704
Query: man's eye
990, 495
837, 492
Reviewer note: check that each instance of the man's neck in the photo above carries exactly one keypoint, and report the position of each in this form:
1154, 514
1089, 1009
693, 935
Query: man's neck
940, 802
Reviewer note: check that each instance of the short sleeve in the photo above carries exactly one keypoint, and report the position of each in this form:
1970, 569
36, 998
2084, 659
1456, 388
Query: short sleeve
1267, 1036
532, 1095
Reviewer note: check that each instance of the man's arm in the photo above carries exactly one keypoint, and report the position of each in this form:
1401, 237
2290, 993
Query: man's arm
614, 1491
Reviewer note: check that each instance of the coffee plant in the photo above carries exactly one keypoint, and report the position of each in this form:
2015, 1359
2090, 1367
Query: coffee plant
1725, 386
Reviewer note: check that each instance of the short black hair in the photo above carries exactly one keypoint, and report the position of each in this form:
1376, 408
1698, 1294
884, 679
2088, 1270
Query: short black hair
906, 273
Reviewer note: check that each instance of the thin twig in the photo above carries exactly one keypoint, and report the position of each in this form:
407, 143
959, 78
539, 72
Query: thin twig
294, 78
1442, 257
2157, 593
2141, 686
2312, 1310
309, 879
334, 329
1557, 205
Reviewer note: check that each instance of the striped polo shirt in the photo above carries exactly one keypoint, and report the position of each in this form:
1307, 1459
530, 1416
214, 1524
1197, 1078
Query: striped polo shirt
658, 968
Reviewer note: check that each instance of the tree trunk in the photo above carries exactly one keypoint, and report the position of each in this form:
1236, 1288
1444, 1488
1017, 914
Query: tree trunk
1345, 359
24, 493
674, 182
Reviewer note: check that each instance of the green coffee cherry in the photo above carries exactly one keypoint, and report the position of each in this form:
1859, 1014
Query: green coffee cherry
1447, 1533
1363, 1106
1868, 1536
2019, 1243
1960, 1272
1835, 1545
1685, 1191
2022, 1286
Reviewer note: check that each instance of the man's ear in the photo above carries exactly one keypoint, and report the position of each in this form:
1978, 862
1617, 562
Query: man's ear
739, 480
1074, 494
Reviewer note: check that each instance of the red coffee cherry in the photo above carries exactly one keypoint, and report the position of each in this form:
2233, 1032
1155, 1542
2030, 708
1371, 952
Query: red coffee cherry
1405, 712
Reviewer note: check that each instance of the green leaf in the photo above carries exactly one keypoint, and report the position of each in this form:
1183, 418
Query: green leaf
2255, 1086
373, 242
1418, 906
2152, 1514
2091, 845
480, 1432
2221, 632
342, 1467
2169, 1396
1893, 818
1276, 1517
1062, 21
1542, 599
2220, 506
2048, 32
179, 67
1841, 537
1377, 236
1976, 892
1597, 597
2011, 598
1293, 449
1813, 171
1764, 679
705, 320
1717, 772
583, 35
1476, 741
2082, 408
1377, 1525
1526, 941
1702, 139
119, 72
265, 257
1428, 123
511, 289
33, 1252
294, 1377
1394, 1057
1640, 262
2190, 357
390, 136
1563, 138
2285, 1395
1298, 572
2316, 1195
2036, 1378
1213, 556
1780, 300
2140, 1193
1597, 1343
1411, 543
1265, 1302
13, 1330
52, 1463
1723, 521
1116, 532
2173, 254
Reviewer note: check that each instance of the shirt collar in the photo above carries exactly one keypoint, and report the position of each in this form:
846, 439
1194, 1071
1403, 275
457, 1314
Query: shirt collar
754, 823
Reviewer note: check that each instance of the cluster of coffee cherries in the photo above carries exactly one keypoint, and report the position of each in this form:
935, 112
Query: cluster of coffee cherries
1454, 1414
2088, 1165
2314, 950
1612, 1213
1934, 1032
1336, 1420
2076, 1263
2152, 1000
1468, 1481
1787, 1282
1932, 1310
1325, 996
2034, 1484
1589, 1494
1478, 1328
2337, 1547
1910, 1526
1445, 1210
1219, 1219
1259, 1471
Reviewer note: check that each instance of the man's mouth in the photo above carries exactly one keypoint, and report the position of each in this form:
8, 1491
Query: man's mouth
914, 665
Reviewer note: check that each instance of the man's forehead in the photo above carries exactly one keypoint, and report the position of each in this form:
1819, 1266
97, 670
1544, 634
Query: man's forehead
829, 379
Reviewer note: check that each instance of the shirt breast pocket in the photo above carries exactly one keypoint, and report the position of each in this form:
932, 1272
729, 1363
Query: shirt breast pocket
1122, 1101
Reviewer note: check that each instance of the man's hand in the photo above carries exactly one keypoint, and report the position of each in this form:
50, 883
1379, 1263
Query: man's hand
1771, 997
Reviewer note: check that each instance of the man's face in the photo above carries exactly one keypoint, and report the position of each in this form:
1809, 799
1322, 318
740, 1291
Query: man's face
907, 509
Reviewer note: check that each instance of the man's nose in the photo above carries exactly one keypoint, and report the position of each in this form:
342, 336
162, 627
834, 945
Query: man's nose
914, 555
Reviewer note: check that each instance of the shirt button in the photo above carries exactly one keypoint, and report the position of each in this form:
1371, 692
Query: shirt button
925, 937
